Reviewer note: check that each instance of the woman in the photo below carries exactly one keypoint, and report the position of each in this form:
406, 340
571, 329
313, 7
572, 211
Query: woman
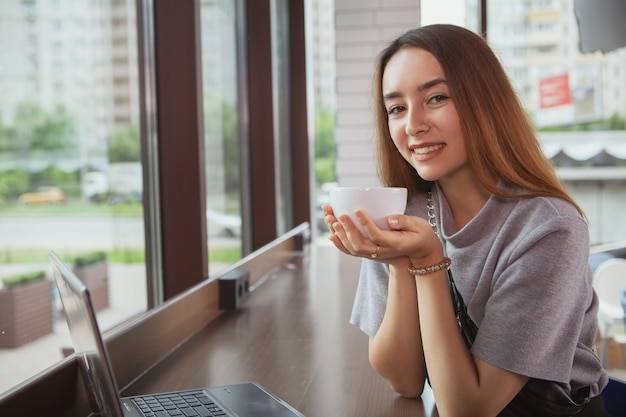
451, 130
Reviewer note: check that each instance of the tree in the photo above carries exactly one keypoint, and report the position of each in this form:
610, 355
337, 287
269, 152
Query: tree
13, 182
124, 145
8, 138
231, 148
53, 131
37, 130
220, 122
615, 122
325, 148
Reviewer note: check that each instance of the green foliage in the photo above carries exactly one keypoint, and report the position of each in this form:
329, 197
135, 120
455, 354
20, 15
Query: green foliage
13, 182
221, 133
24, 256
324, 134
54, 176
89, 259
227, 255
8, 137
125, 145
231, 149
53, 131
224, 255
615, 122
36, 132
21, 279
36, 129
324, 170
127, 256
325, 148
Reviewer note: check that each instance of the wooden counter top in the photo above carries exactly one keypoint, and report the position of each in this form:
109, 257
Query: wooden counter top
292, 335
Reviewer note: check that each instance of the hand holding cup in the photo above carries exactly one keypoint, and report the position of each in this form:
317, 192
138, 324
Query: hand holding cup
377, 202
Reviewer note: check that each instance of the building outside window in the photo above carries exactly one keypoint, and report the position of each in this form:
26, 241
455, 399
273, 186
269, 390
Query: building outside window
576, 99
70, 165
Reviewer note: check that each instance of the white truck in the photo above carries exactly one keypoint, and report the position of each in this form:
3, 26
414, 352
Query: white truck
122, 182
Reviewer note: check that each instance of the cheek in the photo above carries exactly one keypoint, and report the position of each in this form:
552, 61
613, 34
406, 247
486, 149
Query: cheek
450, 125
458, 142
458, 134
397, 132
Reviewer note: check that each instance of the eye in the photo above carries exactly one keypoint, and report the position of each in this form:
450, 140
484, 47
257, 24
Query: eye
395, 109
438, 99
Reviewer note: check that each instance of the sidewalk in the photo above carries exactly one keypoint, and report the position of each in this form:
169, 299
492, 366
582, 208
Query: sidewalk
127, 298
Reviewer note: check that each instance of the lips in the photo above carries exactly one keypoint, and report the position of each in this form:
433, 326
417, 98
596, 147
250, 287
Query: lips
424, 150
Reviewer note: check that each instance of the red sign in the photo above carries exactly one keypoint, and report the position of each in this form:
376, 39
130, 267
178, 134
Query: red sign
554, 91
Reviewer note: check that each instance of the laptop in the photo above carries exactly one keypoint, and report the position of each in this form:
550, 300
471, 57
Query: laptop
247, 399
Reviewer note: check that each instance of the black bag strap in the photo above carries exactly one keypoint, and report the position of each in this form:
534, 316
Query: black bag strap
466, 326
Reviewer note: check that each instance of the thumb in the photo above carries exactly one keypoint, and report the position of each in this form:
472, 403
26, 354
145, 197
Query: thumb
404, 222
395, 222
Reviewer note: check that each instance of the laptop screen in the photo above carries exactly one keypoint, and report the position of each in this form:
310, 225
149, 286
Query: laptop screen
88, 345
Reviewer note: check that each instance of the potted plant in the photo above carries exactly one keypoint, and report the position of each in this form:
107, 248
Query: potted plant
93, 269
25, 308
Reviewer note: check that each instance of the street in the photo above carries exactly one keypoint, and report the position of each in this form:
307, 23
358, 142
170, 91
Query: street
80, 232
71, 232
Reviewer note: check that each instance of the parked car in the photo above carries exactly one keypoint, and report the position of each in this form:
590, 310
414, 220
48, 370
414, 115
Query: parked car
43, 195
222, 224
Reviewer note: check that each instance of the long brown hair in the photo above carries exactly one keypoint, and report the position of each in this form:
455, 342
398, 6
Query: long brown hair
500, 140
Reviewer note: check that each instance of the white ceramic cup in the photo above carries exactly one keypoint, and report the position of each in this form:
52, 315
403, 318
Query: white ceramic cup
378, 202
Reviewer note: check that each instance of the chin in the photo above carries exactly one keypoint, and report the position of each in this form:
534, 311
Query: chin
427, 176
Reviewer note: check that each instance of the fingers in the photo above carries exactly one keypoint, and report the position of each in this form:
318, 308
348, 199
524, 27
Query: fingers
408, 237
342, 230
351, 238
349, 226
334, 227
338, 243
329, 217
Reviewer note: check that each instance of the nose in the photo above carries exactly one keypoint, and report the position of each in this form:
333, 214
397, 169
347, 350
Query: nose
416, 121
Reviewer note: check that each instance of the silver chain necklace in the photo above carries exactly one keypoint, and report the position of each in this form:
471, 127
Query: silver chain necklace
432, 218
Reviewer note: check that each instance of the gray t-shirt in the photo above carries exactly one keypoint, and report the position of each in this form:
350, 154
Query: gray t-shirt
522, 268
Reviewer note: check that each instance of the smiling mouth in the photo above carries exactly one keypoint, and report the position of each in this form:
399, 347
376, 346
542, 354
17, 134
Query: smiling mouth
428, 149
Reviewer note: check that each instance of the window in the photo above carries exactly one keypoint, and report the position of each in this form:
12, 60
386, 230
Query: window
70, 170
222, 131
581, 125
69, 147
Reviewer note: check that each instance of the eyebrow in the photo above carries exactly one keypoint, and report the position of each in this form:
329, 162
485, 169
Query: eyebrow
421, 88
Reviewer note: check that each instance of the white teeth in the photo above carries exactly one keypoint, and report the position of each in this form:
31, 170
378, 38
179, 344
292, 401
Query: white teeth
428, 149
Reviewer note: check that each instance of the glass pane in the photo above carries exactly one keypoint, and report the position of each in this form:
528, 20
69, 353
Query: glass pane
320, 21
576, 100
219, 78
282, 107
70, 170
464, 13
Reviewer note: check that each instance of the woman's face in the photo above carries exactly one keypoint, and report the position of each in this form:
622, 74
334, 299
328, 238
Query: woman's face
423, 121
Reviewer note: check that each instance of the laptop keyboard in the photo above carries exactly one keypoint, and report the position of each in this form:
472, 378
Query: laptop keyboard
185, 404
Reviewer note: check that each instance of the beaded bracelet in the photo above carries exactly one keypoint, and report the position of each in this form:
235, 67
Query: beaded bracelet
432, 268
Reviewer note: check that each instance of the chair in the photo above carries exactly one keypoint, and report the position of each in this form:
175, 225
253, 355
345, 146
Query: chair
596, 258
609, 279
614, 397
